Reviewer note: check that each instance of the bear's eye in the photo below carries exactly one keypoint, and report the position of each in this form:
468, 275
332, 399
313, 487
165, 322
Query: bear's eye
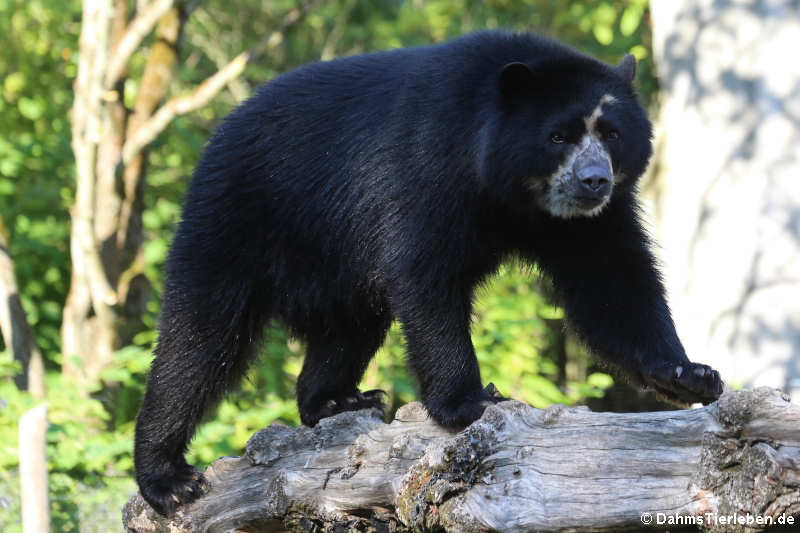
612, 135
557, 138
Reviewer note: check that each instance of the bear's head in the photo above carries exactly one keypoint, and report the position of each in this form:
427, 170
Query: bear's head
567, 133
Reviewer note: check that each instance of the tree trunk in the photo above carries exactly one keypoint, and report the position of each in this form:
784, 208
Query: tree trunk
87, 336
33, 471
17, 333
108, 290
517, 469
728, 161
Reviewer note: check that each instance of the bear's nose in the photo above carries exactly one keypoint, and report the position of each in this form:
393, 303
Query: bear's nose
595, 179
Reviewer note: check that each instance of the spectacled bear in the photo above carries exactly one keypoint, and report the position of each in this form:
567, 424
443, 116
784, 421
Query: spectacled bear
350, 193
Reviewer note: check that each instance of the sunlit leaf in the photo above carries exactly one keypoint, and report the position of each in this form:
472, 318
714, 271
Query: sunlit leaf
30, 108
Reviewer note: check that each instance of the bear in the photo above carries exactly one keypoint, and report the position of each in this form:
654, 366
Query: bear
350, 193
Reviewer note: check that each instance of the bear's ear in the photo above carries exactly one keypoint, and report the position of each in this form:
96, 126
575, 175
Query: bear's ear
627, 68
515, 78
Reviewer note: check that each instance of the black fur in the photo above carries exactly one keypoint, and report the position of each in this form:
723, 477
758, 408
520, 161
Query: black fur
349, 193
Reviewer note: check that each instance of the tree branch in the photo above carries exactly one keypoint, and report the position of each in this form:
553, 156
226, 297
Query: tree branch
137, 30
209, 88
516, 469
180, 105
211, 47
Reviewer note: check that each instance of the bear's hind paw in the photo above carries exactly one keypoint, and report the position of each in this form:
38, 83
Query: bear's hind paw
166, 493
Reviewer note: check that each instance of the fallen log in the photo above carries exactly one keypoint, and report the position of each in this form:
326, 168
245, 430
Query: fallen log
732, 465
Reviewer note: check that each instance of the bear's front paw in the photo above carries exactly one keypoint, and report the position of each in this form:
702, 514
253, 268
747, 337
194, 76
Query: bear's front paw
461, 411
686, 383
166, 492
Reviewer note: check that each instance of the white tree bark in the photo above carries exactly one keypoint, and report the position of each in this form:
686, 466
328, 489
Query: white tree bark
517, 469
89, 286
728, 164
33, 471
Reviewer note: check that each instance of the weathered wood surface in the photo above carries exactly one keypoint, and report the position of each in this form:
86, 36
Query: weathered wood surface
517, 469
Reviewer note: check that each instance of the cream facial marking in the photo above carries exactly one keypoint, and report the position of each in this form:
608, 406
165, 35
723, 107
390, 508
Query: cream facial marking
560, 193
591, 120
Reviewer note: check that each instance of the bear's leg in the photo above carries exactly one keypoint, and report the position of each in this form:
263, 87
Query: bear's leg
202, 351
334, 364
440, 352
608, 282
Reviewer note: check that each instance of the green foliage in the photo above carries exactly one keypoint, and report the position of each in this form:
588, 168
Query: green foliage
89, 461
511, 335
37, 66
265, 395
519, 338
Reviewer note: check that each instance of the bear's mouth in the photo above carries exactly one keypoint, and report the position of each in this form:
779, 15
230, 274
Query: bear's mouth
590, 207
590, 203
561, 202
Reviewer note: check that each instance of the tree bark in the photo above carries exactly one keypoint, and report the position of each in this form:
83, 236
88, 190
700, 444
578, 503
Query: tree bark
517, 469
728, 158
